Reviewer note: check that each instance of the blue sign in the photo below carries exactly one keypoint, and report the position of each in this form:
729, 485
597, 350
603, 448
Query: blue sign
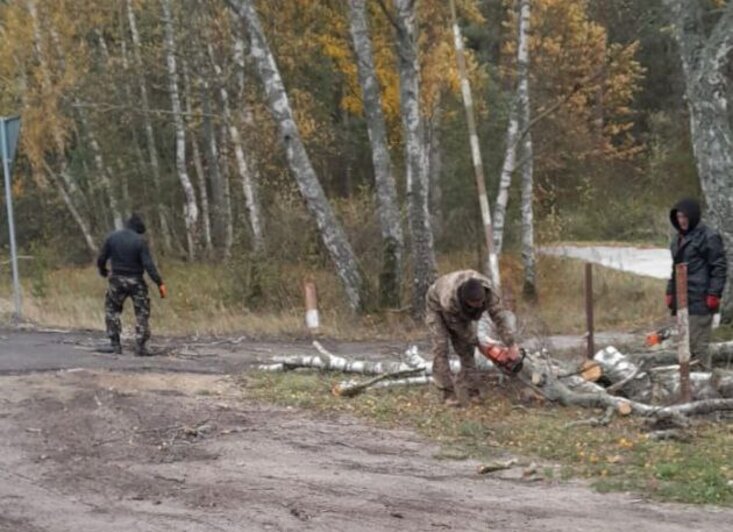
12, 132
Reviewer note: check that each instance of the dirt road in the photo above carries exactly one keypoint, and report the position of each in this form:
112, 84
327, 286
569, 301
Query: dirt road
172, 443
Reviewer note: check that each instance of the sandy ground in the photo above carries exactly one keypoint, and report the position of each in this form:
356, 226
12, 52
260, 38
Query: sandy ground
173, 443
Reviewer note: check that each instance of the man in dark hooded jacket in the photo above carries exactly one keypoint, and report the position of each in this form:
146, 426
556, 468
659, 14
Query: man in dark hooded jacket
128, 252
701, 248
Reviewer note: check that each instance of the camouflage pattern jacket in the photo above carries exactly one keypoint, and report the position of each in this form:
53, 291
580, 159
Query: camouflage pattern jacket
442, 297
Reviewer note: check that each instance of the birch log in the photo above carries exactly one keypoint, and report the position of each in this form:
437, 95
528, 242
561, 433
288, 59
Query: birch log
331, 232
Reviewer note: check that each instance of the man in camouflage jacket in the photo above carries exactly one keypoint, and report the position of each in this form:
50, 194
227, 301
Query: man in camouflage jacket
455, 303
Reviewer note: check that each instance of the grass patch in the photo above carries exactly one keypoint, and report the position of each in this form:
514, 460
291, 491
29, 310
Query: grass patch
216, 298
619, 457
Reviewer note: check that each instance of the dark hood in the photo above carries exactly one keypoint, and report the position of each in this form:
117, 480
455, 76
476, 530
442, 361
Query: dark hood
136, 224
688, 206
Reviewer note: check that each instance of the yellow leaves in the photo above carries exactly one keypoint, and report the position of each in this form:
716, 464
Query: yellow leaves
625, 443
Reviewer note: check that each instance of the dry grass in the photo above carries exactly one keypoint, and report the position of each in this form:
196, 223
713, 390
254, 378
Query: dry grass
211, 299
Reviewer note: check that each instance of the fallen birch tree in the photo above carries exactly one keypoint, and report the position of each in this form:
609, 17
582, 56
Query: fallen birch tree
642, 391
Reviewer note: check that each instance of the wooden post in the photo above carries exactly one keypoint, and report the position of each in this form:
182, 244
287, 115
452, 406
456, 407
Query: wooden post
312, 320
589, 308
683, 323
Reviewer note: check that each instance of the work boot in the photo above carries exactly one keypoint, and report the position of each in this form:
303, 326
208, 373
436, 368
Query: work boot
141, 350
114, 347
450, 399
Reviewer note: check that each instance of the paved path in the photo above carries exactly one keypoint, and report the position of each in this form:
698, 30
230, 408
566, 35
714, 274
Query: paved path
651, 262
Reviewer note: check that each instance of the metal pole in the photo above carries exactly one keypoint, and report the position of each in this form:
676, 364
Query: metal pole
589, 308
683, 322
11, 223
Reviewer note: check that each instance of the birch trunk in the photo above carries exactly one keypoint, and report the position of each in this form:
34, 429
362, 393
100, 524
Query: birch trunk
435, 164
224, 157
243, 167
527, 161
198, 164
491, 267
516, 113
705, 56
330, 230
102, 171
421, 236
388, 212
70, 192
149, 134
190, 209
211, 153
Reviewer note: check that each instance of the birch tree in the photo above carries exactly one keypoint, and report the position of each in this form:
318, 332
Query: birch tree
421, 236
513, 134
388, 210
190, 209
147, 122
243, 167
68, 188
198, 163
705, 56
491, 267
331, 232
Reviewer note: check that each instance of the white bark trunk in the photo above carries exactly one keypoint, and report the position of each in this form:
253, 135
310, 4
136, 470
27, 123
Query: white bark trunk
190, 209
704, 58
519, 110
388, 210
330, 230
527, 161
70, 193
198, 163
102, 171
224, 158
491, 267
149, 134
249, 185
421, 236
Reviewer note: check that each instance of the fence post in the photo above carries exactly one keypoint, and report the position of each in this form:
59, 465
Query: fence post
312, 320
683, 323
589, 308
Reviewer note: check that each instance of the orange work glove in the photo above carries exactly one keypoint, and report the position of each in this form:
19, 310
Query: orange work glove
713, 302
163, 291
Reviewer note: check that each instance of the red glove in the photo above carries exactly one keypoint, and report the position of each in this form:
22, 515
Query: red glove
713, 302
163, 291
669, 300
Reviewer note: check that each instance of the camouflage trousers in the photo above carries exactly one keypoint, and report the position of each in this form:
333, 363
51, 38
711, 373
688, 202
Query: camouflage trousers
446, 330
119, 289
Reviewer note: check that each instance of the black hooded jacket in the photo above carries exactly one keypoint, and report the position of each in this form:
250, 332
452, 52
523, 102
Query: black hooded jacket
128, 251
702, 249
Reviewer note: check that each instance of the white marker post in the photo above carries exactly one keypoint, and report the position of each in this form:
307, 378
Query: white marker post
312, 320
7, 147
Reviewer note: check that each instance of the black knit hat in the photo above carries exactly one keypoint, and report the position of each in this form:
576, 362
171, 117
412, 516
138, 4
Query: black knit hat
472, 290
136, 223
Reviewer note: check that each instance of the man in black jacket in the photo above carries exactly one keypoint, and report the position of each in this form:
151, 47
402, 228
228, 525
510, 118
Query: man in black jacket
128, 251
701, 248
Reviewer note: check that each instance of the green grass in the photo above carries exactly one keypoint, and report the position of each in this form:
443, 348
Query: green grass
613, 458
220, 298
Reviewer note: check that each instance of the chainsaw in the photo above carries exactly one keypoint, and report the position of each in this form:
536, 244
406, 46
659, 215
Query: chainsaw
503, 358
